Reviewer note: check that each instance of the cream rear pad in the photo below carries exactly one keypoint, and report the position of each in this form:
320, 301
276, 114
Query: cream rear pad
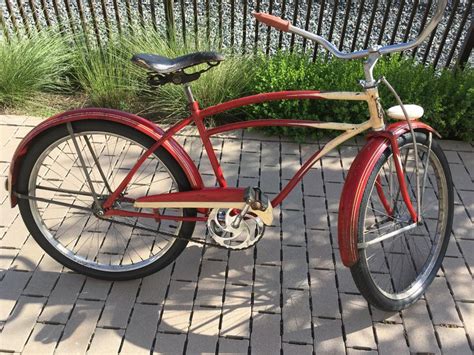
414, 112
208, 198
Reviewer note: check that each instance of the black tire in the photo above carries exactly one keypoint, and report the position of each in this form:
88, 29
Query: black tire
367, 274
60, 132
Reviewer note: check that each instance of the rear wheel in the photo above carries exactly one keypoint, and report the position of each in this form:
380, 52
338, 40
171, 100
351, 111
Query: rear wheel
73, 232
398, 259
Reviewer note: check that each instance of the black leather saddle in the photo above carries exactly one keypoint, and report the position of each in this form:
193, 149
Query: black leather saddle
166, 70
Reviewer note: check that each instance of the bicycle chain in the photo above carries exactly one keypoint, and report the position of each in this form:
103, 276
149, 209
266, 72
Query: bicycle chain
176, 236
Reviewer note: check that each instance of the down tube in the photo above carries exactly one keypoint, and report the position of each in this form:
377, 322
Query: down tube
315, 157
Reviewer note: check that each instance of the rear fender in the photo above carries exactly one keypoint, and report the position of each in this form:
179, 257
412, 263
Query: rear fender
357, 178
127, 119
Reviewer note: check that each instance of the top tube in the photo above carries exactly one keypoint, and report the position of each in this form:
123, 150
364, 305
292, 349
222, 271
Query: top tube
286, 26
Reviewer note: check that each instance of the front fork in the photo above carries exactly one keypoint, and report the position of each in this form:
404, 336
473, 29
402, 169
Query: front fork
416, 218
415, 215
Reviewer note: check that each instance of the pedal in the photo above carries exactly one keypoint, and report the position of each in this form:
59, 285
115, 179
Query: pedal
256, 199
259, 204
240, 230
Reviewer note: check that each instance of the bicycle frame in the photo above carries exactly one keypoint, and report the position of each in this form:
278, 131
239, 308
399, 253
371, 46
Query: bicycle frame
383, 135
198, 116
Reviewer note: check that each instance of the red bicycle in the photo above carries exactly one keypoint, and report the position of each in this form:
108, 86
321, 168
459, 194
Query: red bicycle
111, 195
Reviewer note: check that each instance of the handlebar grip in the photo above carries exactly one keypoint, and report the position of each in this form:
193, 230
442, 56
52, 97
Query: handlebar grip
273, 21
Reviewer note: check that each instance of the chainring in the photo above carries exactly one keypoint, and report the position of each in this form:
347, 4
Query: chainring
221, 228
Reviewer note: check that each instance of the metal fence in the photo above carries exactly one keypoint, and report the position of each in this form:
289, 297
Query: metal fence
350, 24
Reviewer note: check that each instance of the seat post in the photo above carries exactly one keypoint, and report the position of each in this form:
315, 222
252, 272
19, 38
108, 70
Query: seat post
189, 94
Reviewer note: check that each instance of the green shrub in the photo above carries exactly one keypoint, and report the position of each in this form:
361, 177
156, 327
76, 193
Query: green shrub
297, 72
106, 75
446, 96
33, 64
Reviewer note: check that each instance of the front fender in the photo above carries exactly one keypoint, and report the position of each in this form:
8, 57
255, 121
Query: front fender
139, 123
354, 186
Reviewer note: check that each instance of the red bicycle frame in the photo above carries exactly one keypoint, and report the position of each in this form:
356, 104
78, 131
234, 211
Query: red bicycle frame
198, 116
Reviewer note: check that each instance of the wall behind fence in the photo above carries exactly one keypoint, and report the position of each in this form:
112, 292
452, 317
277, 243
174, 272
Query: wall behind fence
228, 23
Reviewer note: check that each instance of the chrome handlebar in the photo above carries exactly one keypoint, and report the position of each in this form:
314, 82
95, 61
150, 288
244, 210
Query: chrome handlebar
397, 47
437, 16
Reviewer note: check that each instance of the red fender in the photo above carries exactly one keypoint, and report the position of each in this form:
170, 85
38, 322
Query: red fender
145, 126
356, 181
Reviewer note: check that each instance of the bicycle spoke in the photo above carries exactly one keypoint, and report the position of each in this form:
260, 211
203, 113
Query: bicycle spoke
96, 161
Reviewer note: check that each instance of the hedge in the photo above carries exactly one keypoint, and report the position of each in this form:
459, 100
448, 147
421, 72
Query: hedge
447, 96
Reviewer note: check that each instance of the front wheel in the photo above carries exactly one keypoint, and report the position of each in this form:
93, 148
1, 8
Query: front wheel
398, 260
61, 212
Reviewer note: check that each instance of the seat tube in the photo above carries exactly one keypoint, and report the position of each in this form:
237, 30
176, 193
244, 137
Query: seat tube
198, 121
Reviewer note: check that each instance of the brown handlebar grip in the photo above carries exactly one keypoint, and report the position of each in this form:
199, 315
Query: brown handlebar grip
273, 21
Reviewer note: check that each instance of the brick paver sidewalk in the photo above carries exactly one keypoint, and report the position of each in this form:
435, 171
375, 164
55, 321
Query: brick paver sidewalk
289, 293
